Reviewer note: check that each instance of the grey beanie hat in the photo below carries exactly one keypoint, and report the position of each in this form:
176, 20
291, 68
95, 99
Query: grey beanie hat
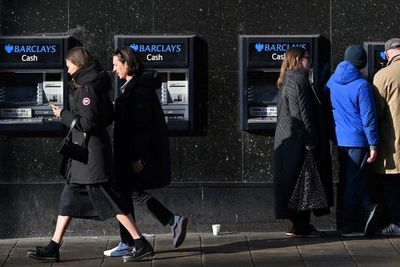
356, 55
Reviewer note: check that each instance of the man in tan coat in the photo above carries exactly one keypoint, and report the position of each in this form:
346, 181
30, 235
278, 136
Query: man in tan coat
387, 164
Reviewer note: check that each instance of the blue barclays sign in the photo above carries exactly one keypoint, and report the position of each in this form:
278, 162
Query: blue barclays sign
156, 48
34, 51
14, 48
277, 47
264, 52
31, 52
155, 52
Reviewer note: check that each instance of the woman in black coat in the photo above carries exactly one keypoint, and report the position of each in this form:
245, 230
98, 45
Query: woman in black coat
141, 147
87, 193
297, 131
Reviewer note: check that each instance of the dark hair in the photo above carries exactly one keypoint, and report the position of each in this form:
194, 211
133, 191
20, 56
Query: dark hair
80, 57
292, 61
125, 54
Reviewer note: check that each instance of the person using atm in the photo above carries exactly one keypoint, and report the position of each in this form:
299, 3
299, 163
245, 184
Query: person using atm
356, 132
141, 147
387, 165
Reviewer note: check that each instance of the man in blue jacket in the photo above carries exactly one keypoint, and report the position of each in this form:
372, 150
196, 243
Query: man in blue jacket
356, 135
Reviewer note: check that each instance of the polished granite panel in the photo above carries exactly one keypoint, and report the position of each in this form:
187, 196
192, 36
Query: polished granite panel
33, 17
214, 21
239, 209
284, 17
96, 22
257, 157
362, 22
216, 156
29, 160
30, 210
231, 18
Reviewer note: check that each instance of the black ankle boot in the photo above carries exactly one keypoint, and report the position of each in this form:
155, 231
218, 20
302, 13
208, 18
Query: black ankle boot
49, 253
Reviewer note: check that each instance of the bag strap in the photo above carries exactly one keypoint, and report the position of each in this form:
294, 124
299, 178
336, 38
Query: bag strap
73, 123
72, 126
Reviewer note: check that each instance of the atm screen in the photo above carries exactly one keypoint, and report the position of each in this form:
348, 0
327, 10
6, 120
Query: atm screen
380, 60
20, 89
262, 97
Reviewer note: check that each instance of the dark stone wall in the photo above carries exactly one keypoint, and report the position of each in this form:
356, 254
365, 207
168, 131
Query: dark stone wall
224, 176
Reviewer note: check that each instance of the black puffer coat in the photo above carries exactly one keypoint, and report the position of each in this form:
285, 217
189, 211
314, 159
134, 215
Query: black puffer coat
140, 133
91, 104
299, 124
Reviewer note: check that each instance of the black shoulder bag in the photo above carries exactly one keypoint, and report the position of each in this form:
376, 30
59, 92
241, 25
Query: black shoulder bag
69, 149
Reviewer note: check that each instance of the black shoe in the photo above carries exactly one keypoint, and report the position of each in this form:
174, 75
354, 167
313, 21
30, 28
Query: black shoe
372, 221
139, 252
42, 253
307, 231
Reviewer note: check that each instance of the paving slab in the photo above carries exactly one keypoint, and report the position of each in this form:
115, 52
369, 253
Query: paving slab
84, 251
18, 254
206, 250
372, 252
189, 254
225, 250
273, 249
5, 249
328, 251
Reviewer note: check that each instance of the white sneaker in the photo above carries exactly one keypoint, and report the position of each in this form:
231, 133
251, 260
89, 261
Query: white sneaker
121, 250
179, 230
392, 229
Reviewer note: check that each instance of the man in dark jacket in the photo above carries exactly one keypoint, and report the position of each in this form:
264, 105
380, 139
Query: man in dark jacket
141, 146
356, 134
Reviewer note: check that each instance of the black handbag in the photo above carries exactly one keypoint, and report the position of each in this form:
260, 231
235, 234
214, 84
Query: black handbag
70, 150
308, 193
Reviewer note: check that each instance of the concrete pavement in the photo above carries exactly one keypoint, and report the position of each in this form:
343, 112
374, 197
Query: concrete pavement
228, 249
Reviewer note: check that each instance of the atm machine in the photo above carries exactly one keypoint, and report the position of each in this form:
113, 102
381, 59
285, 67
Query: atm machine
260, 60
181, 62
32, 75
376, 58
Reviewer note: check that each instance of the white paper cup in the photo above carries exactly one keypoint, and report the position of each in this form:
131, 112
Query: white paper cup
215, 229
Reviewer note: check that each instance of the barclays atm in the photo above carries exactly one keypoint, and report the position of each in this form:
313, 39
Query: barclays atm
181, 62
260, 60
376, 58
32, 75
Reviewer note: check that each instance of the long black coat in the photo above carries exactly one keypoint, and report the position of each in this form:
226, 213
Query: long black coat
91, 105
299, 124
140, 133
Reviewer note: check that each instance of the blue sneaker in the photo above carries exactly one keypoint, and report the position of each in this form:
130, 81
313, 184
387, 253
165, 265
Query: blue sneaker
121, 250
179, 230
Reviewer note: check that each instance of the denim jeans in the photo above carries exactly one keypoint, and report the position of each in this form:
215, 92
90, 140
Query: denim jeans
353, 178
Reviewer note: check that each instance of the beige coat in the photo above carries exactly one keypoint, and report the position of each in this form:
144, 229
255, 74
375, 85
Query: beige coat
387, 96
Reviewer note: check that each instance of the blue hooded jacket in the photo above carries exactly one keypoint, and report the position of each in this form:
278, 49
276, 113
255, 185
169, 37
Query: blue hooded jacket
353, 107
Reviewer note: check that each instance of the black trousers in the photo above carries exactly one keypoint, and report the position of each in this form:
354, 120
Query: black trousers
300, 221
391, 187
142, 198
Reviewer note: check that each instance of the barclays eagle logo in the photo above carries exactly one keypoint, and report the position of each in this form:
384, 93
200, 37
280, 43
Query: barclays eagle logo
134, 47
9, 48
259, 47
382, 55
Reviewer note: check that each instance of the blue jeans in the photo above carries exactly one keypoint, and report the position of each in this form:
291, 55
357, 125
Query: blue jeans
353, 178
